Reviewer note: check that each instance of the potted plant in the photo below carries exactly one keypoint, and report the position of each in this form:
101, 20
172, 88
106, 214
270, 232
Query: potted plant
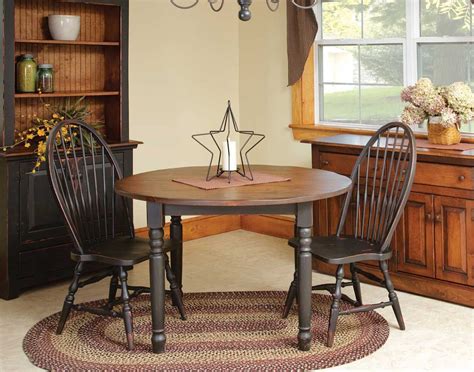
35, 137
446, 108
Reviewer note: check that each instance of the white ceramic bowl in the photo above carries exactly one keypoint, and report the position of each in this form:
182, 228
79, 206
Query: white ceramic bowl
64, 27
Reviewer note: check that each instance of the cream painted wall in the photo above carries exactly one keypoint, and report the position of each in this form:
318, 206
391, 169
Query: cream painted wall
184, 65
265, 99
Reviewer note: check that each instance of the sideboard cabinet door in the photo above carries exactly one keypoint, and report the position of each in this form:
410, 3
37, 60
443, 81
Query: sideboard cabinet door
454, 239
41, 222
415, 232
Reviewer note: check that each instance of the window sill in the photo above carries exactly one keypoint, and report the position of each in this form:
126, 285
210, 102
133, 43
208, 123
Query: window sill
312, 131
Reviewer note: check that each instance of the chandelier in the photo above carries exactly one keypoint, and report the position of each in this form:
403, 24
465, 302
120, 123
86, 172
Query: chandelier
244, 13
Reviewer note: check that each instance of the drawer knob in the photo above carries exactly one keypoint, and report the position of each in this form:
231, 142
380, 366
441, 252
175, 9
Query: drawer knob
461, 178
429, 216
324, 162
438, 218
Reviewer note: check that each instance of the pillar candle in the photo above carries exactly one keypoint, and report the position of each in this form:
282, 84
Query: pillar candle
229, 162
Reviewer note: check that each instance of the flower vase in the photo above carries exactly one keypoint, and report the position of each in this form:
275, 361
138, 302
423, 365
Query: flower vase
440, 134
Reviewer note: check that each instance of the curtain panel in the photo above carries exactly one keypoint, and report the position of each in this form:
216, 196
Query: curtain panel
301, 33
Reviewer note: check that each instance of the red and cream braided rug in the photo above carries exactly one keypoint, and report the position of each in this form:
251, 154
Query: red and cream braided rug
224, 331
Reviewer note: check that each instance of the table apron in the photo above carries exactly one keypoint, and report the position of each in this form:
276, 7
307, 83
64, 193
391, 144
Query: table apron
188, 210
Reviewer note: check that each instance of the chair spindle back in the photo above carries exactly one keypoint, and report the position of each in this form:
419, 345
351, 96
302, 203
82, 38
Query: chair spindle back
83, 170
381, 182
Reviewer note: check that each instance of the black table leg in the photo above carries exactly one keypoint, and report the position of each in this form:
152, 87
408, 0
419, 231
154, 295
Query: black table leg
296, 253
176, 234
157, 276
305, 221
292, 294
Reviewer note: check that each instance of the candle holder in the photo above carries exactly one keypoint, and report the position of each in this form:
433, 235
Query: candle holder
229, 162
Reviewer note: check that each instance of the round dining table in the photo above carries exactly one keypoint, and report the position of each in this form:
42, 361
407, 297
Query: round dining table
166, 197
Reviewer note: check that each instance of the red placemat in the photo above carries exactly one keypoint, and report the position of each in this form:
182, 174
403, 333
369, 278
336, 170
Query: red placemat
236, 181
459, 147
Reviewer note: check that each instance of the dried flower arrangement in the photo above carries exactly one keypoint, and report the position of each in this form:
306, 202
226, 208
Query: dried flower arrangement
454, 104
37, 135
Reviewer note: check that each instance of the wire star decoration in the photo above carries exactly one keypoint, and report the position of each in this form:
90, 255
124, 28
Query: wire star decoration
252, 140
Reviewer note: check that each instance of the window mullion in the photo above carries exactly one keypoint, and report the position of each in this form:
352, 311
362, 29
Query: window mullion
412, 34
360, 85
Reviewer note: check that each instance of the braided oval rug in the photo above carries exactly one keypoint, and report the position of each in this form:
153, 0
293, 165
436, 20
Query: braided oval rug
224, 331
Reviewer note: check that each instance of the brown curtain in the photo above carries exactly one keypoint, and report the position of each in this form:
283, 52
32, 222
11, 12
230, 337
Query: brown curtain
301, 32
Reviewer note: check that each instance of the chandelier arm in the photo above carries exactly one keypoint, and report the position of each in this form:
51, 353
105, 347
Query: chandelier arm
305, 6
211, 4
276, 6
184, 6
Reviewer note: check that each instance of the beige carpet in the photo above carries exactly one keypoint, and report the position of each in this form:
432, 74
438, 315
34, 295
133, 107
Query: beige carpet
439, 335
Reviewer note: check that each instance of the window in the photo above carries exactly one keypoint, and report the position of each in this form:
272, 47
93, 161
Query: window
367, 50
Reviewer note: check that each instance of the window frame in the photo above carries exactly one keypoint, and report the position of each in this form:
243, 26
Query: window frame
410, 44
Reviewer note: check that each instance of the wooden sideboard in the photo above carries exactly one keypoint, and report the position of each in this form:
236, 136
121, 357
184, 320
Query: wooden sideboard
434, 243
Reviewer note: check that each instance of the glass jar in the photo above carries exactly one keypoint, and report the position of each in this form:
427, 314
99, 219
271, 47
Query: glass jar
26, 74
45, 80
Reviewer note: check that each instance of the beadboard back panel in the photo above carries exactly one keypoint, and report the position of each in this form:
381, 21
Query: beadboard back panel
90, 66
98, 22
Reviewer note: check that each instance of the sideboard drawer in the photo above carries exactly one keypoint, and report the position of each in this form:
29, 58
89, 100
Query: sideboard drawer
339, 163
443, 175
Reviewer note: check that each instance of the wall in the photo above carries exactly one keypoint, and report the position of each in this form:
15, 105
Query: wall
265, 99
184, 65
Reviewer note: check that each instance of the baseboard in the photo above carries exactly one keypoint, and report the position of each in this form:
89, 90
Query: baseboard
273, 225
202, 226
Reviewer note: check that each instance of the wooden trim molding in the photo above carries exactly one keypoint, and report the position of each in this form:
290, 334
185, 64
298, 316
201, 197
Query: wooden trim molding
278, 226
302, 95
310, 132
307, 132
202, 226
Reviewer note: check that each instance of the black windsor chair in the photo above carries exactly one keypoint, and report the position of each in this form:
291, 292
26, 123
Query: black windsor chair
83, 170
381, 182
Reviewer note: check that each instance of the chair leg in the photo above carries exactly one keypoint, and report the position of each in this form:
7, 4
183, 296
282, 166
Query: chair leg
356, 285
290, 297
69, 300
113, 288
335, 305
392, 295
175, 289
126, 309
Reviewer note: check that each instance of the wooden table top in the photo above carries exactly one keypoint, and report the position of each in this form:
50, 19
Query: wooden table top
306, 185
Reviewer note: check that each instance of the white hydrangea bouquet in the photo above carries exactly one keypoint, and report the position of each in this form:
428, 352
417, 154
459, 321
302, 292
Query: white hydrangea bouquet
445, 107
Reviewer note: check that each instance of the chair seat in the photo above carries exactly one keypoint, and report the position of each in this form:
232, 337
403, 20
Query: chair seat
122, 251
342, 250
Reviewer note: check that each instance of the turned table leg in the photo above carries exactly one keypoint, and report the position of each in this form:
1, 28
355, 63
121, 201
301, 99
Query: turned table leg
157, 276
176, 235
305, 221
